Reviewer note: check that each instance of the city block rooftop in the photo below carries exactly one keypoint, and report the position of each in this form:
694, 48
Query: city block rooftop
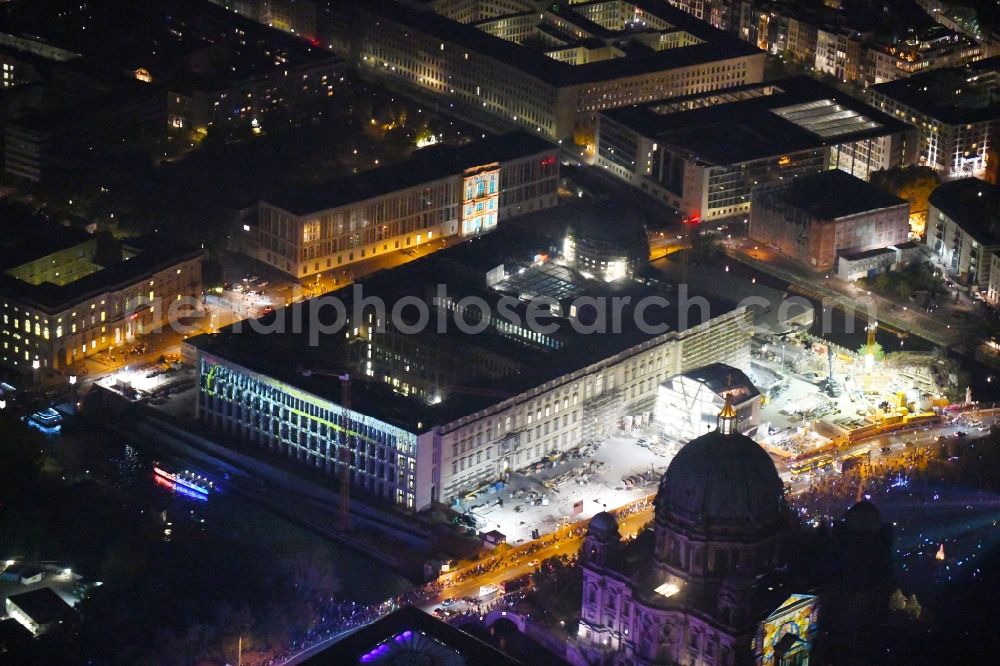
954, 95
758, 120
566, 43
509, 262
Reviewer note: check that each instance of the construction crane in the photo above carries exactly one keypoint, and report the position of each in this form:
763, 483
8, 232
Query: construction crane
870, 346
832, 387
690, 226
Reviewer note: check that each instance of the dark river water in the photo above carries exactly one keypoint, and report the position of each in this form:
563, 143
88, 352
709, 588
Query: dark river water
129, 469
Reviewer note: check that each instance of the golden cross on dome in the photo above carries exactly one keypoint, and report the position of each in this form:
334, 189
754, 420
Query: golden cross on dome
727, 417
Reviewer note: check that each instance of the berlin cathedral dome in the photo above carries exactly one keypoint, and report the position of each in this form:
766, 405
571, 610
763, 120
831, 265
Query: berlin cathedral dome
720, 481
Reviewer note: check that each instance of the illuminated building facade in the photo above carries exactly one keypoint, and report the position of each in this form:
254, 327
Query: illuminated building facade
963, 230
480, 199
786, 636
687, 405
694, 590
815, 218
439, 193
606, 242
466, 405
39, 610
934, 48
704, 154
840, 52
316, 433
84, 295
550, 67
955, 111
992, 293
869, 263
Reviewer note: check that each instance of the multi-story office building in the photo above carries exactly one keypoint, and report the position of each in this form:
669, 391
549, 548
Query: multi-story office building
550, 66
814, 218
963, 229
930, 49
18, 67
704, 154
68, 295
440, 192
440, 405
954, 110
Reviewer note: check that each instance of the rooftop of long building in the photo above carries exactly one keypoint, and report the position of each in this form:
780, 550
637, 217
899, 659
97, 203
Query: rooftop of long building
757, 121
117, 265
954, 95
424, 166
523, 359
637, 55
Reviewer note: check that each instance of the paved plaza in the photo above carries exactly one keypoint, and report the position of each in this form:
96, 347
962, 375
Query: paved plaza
622, 469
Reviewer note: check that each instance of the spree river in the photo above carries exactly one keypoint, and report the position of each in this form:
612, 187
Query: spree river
129, 470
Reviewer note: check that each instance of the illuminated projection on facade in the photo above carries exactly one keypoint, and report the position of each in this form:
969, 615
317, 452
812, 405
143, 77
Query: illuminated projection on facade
312, 431
788, 631
480, 199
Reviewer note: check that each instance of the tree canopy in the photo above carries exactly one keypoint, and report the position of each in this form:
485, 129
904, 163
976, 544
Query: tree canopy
913, 183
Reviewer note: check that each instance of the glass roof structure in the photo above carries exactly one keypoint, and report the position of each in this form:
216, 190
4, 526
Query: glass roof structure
826, 118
